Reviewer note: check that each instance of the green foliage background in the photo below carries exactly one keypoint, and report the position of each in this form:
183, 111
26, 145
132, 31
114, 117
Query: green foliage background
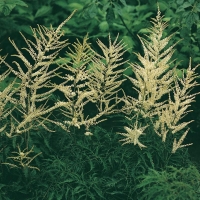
98, 18
81, 168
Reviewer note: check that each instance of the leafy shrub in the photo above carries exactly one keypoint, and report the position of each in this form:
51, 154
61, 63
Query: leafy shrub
172, 183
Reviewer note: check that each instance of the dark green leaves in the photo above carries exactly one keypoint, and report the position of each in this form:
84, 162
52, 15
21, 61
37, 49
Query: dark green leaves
189, 11
6, 6
43, 11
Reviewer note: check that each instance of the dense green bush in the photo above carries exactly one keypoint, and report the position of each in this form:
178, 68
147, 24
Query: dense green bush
172, 183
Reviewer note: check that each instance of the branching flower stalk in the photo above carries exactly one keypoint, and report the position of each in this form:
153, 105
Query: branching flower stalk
29, 99
36, 75
92, 79
106, 75
6, 97
22, 158
154, 81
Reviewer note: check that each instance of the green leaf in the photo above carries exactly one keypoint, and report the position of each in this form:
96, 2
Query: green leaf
140, 8
117, 9
184, 32
14, 141
163, 5
191, 1
44, 10
99, 192
144, 30
59, 195
123, 2
191, 18
18, 2
150, 159
92, 12
179, 2
106, 6
61, 3
195, 49
128, 71
186, 5
103, 26
186, 14
129, 42
73, 6
51, 196
112, 182
2, 185
69, 180
182, 7
6, 9
197, 59
198, 7
25, 29
147, 15
78, 189
110, 16
25, 172
196, 16
6, 6
180, 72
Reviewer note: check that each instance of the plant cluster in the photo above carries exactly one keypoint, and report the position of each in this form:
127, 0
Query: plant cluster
153, 80
55, 112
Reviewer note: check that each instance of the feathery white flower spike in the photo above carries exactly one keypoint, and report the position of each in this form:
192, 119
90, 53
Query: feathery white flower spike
177, 145
132, 135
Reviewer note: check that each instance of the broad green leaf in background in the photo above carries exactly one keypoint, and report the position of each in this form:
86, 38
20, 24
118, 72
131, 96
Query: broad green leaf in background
182, 7
92, 11
73, 6
129, 43
44, 10
179, 2
191, 1
103, 26
198, 7
191, 18
110, 16
123, 2
61, 3
6, 6
180, 72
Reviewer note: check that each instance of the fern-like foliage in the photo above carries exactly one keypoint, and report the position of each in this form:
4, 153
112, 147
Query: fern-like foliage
171, 183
